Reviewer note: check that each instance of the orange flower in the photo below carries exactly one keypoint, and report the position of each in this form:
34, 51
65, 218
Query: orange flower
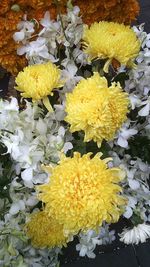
8, 25
121, 11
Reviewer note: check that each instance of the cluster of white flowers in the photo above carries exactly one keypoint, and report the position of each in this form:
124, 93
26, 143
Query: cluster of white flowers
32, 139
88, 241
136, 187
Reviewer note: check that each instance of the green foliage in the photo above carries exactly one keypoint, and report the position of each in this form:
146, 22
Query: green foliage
140, 147
121, 77
84, 147
5, 174
136, 218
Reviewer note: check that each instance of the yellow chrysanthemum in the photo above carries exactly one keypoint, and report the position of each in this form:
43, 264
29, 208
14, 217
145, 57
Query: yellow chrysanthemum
45, 231
110, 40
96, 109
82, 193
38, 81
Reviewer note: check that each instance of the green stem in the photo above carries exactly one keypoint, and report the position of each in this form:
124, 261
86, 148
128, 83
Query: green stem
62, 25
7, 131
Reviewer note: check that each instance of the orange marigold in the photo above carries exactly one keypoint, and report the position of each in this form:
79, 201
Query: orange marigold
122, 11
8, 25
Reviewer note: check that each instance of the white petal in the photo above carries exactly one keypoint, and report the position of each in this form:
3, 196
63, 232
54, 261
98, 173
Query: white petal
14, 208
83, 251
91, 254
44, 54
21, 50
122, 142
128, 213
61, 131
18, 36
27, 176
148, 43
134, 184
41, 127
67, 146
21, 204
144, 111
32, 201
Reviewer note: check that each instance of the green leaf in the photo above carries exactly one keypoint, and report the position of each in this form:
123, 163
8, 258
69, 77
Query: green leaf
140, 147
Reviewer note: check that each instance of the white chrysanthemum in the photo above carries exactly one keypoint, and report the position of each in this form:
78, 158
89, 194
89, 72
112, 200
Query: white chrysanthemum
90, 239
137, 234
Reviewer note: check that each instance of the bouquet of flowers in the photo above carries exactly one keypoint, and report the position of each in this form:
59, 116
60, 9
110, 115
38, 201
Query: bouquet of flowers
75, 147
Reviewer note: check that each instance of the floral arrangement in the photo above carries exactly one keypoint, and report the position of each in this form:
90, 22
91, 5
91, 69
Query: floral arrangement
75, 142
12, 12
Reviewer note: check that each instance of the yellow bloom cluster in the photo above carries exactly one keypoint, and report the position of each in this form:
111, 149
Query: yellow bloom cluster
38, 81
96, 109
45, 231
82, 193
109, 40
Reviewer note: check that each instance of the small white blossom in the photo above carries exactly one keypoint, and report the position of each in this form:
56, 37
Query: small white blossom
88, 241
125, 134
137, 234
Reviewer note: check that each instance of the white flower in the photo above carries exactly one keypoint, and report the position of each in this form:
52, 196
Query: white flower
137, 234
89, 240
128, 213
124, 135
134, 100
146, 109
134, 185
16, 207
19, 36
69, 74
67, 146
36, 48
26, 29
46, 22
27, 176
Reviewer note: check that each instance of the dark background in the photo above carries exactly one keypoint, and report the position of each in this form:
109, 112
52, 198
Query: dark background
145, 15
115, 255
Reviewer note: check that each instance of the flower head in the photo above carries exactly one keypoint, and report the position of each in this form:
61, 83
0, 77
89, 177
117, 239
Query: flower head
138, 234
38, 81
109, 40
82, 193
96, 109
45, 231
